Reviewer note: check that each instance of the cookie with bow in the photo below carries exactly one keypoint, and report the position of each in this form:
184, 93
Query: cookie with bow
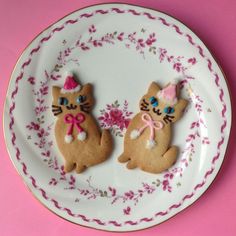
147, 142
77, 134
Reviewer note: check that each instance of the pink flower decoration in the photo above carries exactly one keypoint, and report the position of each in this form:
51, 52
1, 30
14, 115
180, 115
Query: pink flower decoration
115, 118
31, 80
192, 60
127, 210
116, 115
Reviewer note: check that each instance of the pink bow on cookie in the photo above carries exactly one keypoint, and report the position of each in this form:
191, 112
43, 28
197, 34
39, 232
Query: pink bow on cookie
152, 124
74, 121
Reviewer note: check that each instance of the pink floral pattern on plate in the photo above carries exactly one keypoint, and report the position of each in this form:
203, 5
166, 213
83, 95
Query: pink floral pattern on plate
143, 45
216, 158
116, 118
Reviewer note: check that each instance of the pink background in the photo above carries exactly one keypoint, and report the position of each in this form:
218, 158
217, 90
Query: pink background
213, 214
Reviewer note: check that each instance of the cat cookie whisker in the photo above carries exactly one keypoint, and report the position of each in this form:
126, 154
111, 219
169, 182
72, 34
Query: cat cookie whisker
54, 106
56, 109
57, 113
85, 109
168, 118
144, 109
85, 104
143, 105
144, 101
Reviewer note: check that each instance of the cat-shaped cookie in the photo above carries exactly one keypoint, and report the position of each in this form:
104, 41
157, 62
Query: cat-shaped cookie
77, 134
148, 137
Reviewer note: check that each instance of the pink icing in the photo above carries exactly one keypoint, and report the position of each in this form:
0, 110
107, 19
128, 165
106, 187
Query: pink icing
70, 83
168, 94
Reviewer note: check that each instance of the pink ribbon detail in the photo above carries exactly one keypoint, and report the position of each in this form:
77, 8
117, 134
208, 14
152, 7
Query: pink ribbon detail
152, 124
74, 120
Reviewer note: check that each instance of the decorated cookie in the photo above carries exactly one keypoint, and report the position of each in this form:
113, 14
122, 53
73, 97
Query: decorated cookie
77, 134
148, 137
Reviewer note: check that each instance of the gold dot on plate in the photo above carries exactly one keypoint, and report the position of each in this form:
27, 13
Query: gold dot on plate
178, 184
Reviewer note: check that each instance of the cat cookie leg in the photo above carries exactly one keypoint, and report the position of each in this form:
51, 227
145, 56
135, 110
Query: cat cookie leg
131, 164
80, 168
123, 158
69, 166
170, 156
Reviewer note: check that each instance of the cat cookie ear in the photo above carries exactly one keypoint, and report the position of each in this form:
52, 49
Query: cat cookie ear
179, 109
169, 93
88, 88
153, 88
182, 104
56, 91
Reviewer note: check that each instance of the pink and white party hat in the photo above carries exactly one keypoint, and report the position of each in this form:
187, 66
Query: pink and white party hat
169, 93
70, 85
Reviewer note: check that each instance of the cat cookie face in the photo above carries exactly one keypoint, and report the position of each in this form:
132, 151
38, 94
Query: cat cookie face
163, 104
78, 101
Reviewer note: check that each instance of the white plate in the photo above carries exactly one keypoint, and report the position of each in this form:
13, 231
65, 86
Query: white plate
120, 49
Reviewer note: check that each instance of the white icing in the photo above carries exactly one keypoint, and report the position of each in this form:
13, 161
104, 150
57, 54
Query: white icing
166, 101
82, 136
68, 73
150, 144
68, 138
134, 134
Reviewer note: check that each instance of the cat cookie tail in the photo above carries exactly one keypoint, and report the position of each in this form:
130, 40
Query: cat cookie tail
104, 149
106, 144
158, 165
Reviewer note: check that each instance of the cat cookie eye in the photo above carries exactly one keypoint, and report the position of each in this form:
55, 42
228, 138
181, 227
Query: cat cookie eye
169, 110
153, 101
80, 99
63, 101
